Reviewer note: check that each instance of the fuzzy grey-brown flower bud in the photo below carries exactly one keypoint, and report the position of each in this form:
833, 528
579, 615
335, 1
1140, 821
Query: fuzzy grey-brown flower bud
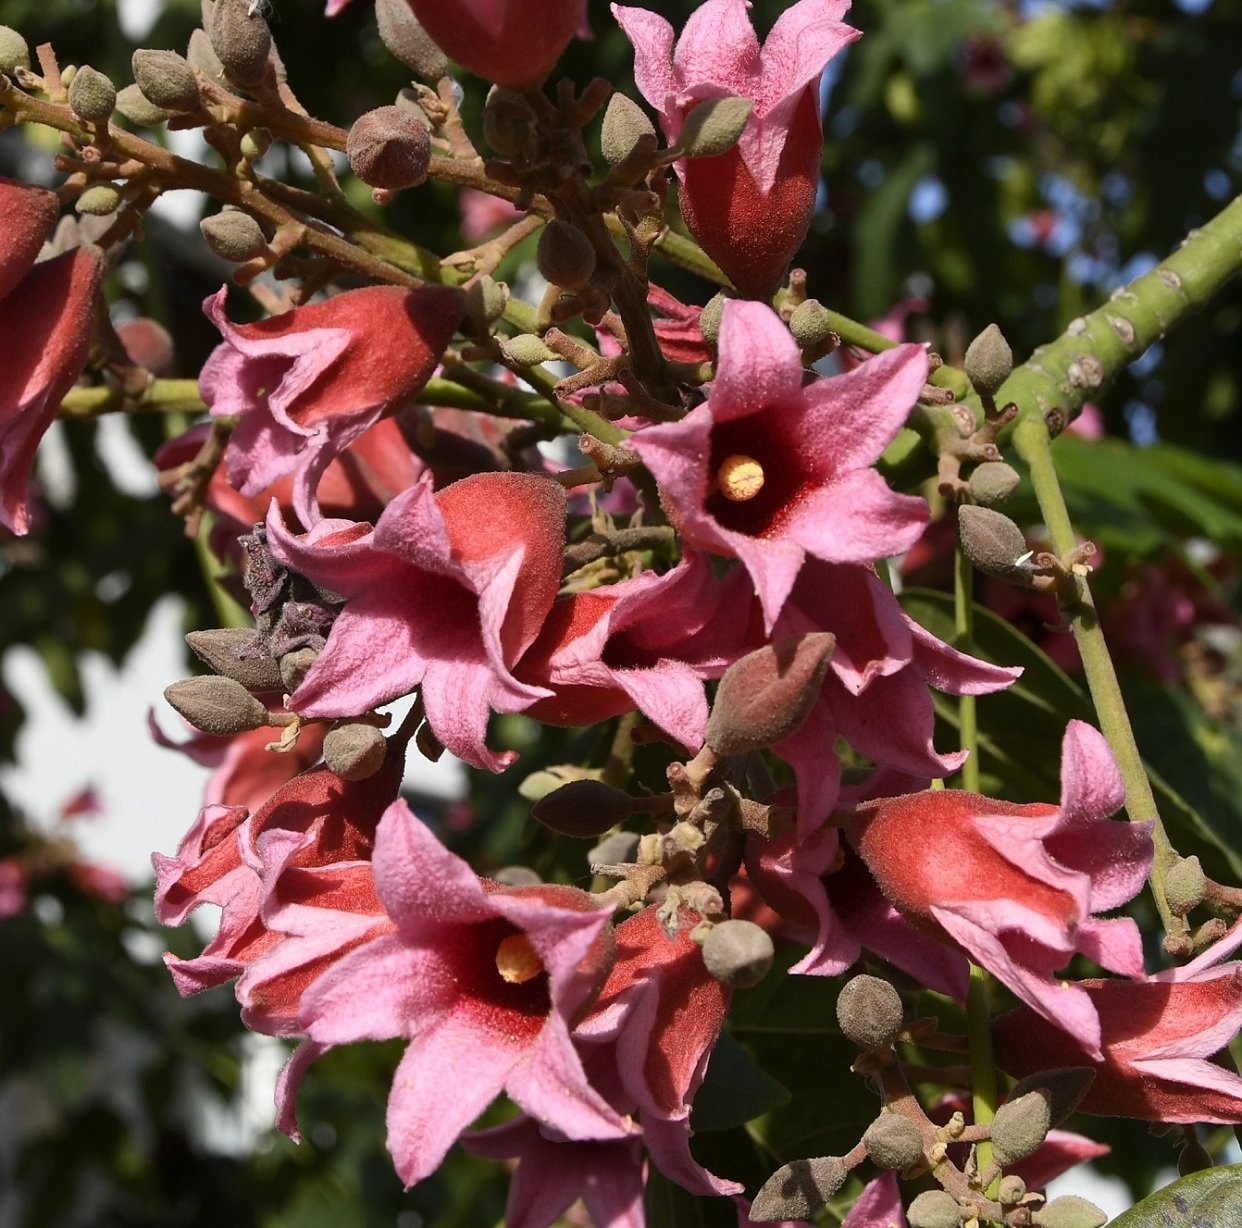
989, 360
139, 109
992, 542
1010, 1191
219, 648
583, 808
934, 1209
99, 200
738, 953
713, 127
354, 750
403, 34
1065, 1086
894, 1142
625, 124
295, 665
869, 1011
993, 483
91, 95
233, 235
1185, 886
201, 55
767, 694
565, 256
507, 121
241, 40
810, 323
389, 148
166, 79
1070, 1211
798, 1190
1020, 1126
217, 705
14, 51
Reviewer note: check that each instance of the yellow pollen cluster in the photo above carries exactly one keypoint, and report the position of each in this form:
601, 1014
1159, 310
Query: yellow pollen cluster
516, 960
740, 478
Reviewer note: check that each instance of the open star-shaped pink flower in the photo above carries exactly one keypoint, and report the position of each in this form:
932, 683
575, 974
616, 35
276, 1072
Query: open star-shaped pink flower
769, 471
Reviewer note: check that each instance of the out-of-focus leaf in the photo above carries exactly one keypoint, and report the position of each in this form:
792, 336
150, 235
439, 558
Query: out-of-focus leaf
1208, 1199
735, 1089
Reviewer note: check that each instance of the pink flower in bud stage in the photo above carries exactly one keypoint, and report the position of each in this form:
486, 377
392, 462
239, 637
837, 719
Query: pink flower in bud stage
750, 207
445, 593
47, 314
770, 471
307, 383
1156, 1037
486, 982
1016, 886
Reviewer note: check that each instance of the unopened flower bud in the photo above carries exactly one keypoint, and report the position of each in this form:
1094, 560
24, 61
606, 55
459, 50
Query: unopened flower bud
241, 40
989, 360
217, 705
485, 301
713, 127
738, 953
565, 256
527, 350
991, 541
993, 482
894, 1142
709, 319
98, 201
798, 1190
517, 876
584, 808
166, 79
1193, 1158
1020, 1127
809, 323
147, 343
1010, 1191
91, 95
625, 124
1185, 886
354, 750
389, 148
934, 1209
14, 51
614, 850
869, 1011
233, 235
1064, 1086
767, 694
295, 665
219, 648
139, 109
201, 55
403, 34
507, 121
1070, 1211
255, 143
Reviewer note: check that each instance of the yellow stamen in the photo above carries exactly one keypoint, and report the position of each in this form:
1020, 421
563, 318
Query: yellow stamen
517, 961
740, 478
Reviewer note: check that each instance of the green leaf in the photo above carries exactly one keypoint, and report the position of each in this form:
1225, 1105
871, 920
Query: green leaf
1208, 1199
735, 1089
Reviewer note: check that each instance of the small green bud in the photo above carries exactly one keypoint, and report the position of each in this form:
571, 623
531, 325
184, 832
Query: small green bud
1010, 1191
241, 40
992, 542
217, 705
565, 256
389, 148
14, 51
1070, 1211
233, 235
993, 482
295, 665
738, 953
798, 1190
354, 750
255, 143
767, 694
485, 301
139, 109
934, 1209
869, 1011
166, 79
98, 201
894, 1142
91, 95
583, 808
219, 648
809, 323
709, 319
527, 350
1185, 886
1020, 1127
625, 124
989, 360
402, 33
713, 127
1065, 1086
